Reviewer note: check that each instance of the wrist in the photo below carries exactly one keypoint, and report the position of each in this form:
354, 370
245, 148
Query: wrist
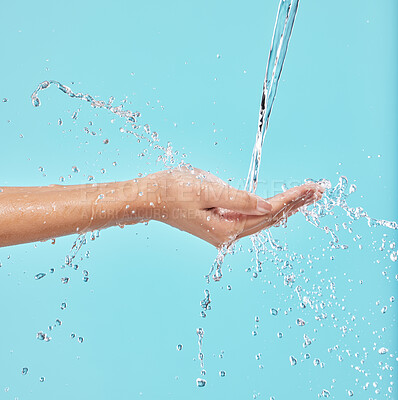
137, 200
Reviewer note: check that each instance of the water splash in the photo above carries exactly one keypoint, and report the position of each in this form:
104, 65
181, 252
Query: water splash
130, 116
280, 40
142, 133
337, 197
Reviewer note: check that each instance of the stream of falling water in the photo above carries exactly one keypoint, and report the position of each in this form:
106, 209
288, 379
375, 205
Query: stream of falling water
280, 40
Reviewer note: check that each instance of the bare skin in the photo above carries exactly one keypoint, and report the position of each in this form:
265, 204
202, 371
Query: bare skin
191, 200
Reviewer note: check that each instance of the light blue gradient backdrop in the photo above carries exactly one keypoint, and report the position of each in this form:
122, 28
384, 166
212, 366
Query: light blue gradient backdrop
335, 107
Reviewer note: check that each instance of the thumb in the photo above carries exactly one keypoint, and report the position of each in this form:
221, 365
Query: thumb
225, 196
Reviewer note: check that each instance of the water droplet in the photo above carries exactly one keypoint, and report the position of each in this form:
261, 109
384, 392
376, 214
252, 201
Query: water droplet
273, 311
80, 340
384, 310
65, 280
218, 56
72, 335
5, 100
60, 122
42, 336
394, 256
280, 335
292, 360
383, 350
300, 322
24, 371
254, 333
179, 347
40, 275
222, 374
350, 393
325, 393
200, 382
392, 299
42, 379
63, 306
35, 101
75, 169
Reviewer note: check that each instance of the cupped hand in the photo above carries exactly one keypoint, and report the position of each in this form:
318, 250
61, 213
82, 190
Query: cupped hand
202, 204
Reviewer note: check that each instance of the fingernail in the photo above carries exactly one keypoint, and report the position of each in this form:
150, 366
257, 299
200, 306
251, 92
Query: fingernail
263, 206
320, 188
318, 195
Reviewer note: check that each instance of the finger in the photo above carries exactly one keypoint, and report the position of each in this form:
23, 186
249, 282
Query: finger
256, 224
295, 197
227, 197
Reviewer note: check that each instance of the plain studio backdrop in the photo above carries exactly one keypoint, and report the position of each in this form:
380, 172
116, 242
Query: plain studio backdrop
195, 72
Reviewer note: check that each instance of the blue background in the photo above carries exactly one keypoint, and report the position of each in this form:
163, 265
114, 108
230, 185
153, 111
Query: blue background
334, 114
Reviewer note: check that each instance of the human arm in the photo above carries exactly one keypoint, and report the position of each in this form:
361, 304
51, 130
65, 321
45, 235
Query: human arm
187, 198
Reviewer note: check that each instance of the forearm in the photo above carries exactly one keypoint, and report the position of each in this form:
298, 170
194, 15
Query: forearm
29, 214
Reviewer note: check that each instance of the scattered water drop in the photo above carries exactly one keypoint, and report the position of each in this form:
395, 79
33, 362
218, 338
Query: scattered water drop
200, 382
35, 101
42, 336
179, 347
292, 360
383, 350
63, 306
80, 340
384, 310
42, 379
300, 322
273, 311
25, 370
40, 275
222, 374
